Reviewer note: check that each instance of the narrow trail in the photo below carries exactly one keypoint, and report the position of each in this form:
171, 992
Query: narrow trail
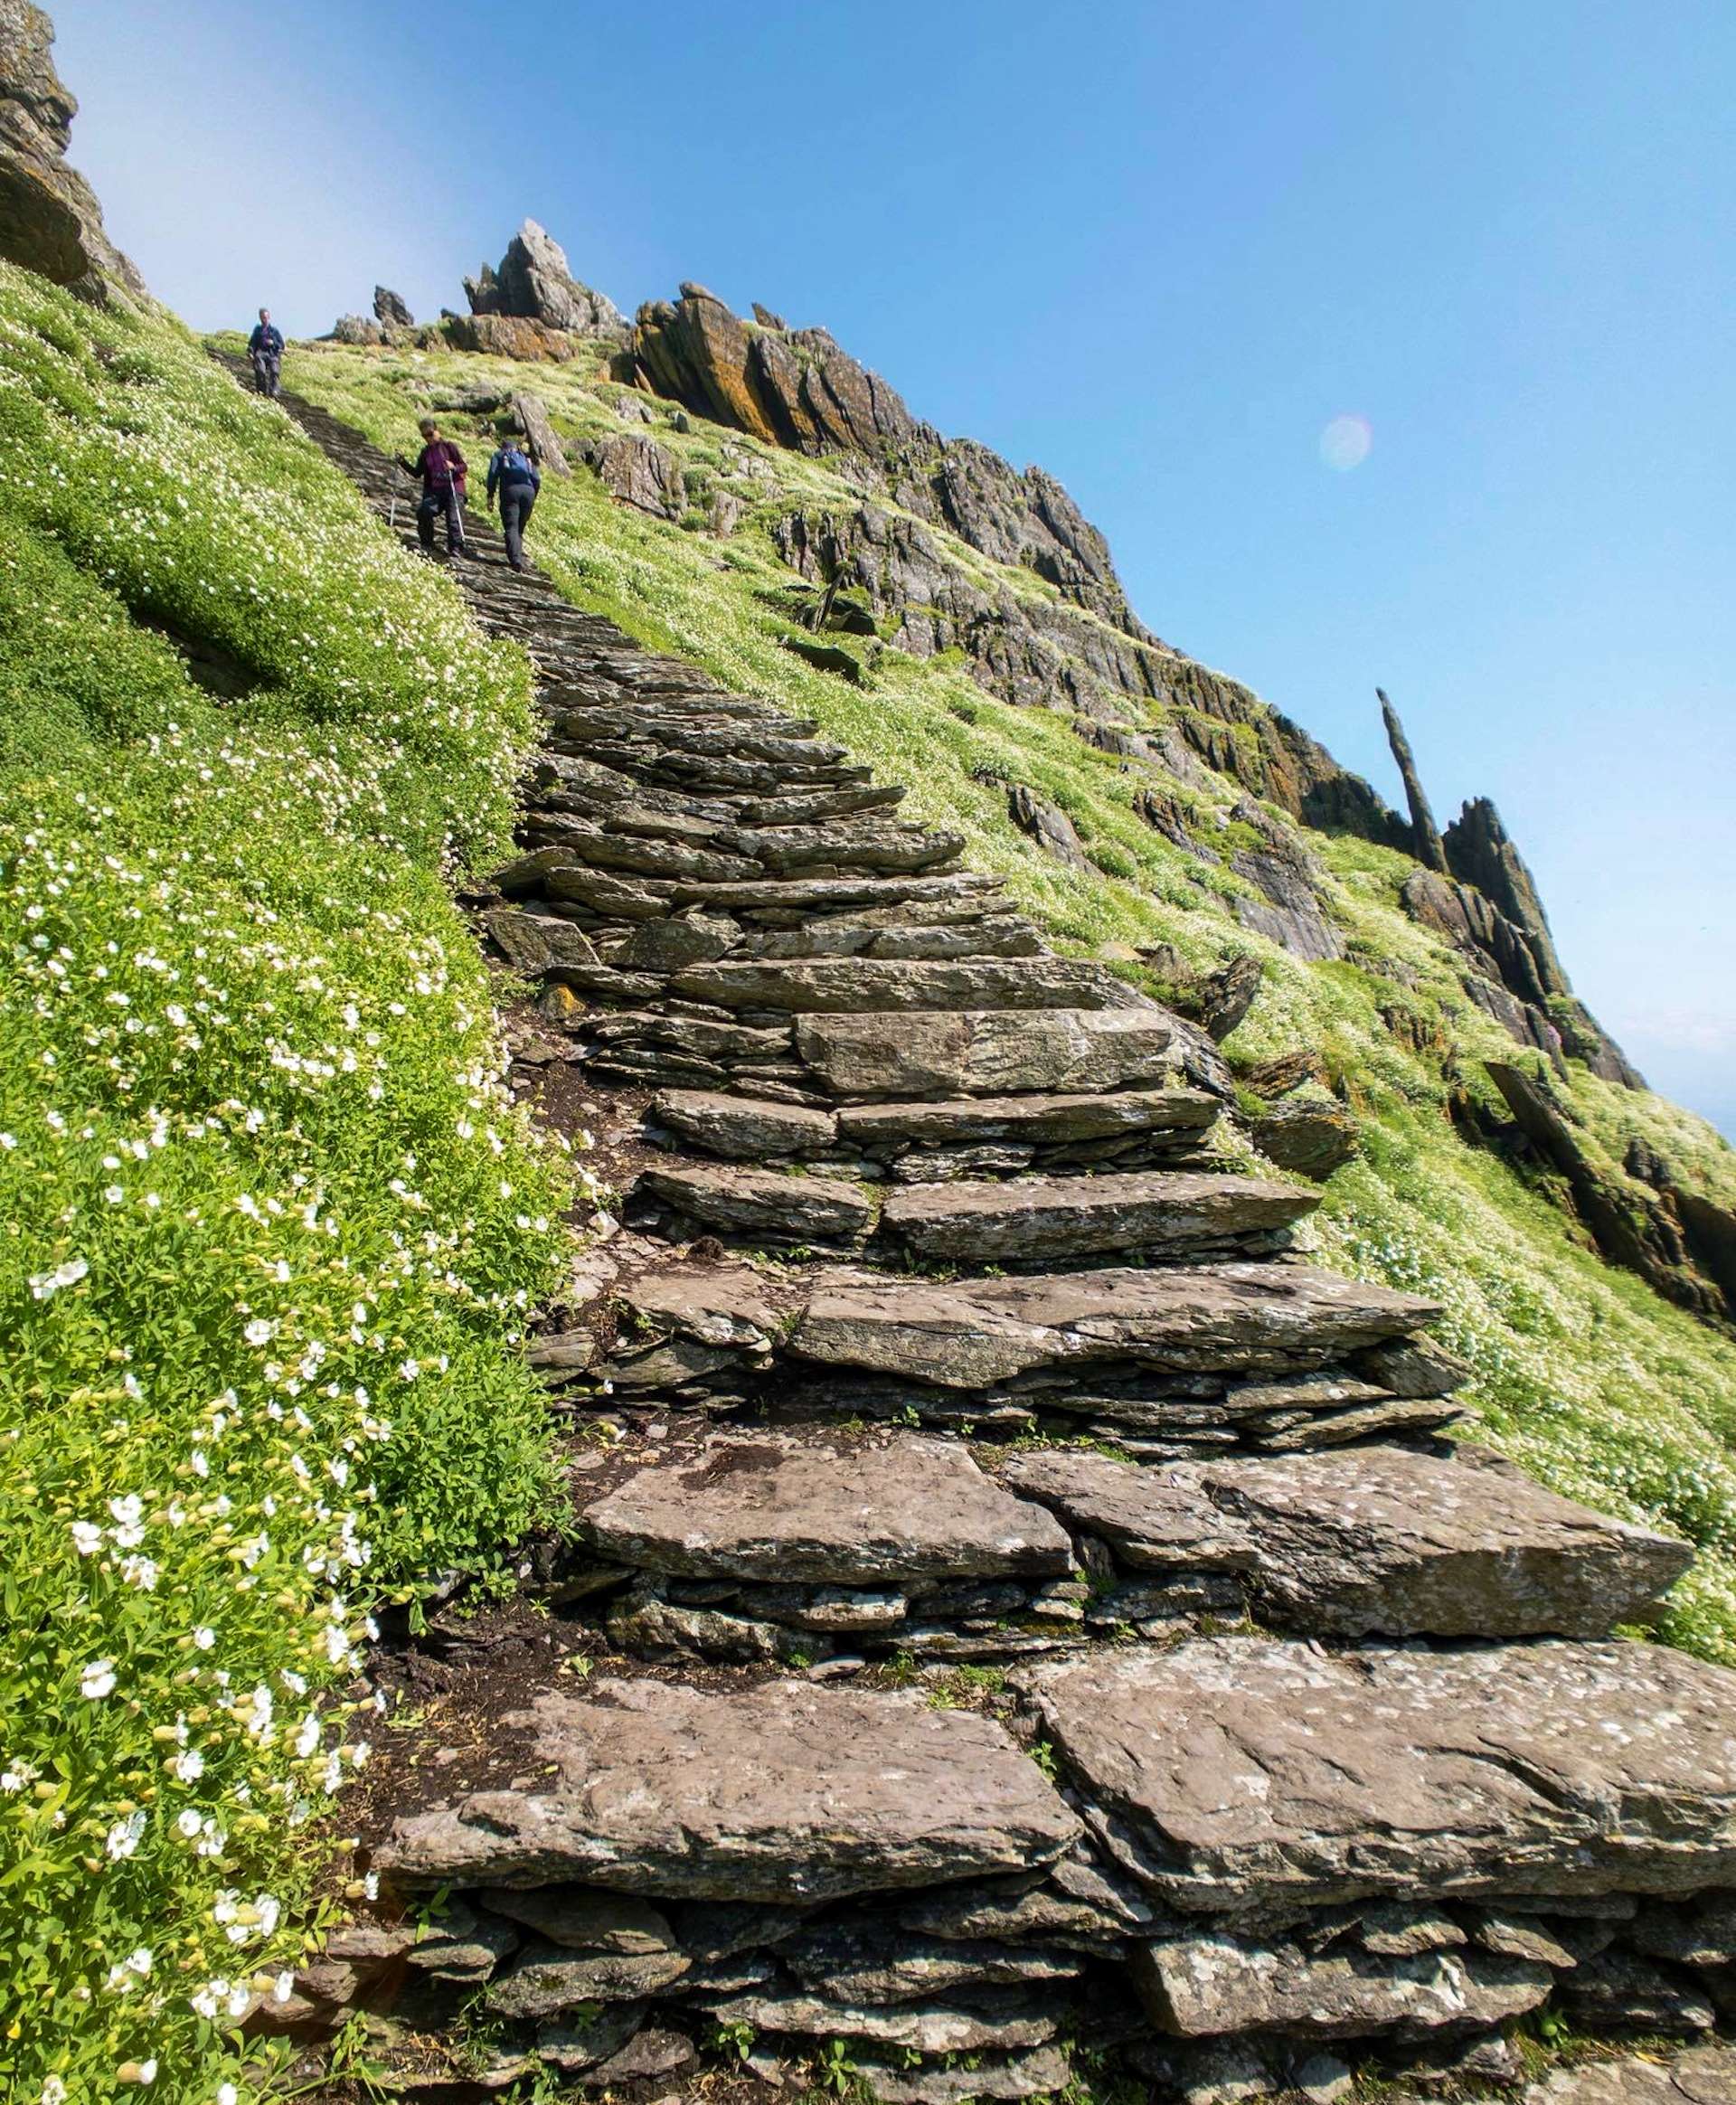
931, 1725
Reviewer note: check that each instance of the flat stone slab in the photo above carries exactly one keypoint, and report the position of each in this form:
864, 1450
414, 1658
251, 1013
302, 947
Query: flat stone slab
1150, 1519
1384, 1538
826, 1510
785, 1792
763, 1204
1376, 1540
743, 1128
846, 986
1254, 1319
1704, 2075
1232, 1773
1041, 1218
1204, 1987
989, 1053
1032, 1120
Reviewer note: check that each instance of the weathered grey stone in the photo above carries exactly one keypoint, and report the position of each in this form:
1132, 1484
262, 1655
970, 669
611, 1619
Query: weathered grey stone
1151, 1521
1069, 1905
1030, 1121
1700, 1932
855, 1964
762, 1205
1704, 2075
586, 2042
654, 2052
1384, 1538
671, 946
1413, 1367
546, 1980
1305, 1137
825, 1509
1039, 1218
743, 1128
1244, 1771
780, 1792
1210, 1985
538, 942
583, 1919
967, 2027
1047, 825
1042, 2072
1622, 1991
988, 1053
461, 1945
639, 472
1244, 1317
1397, 1931
535, 282
851, 985
645, 1624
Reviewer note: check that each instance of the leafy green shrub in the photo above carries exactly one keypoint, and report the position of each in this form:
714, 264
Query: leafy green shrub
268, 1222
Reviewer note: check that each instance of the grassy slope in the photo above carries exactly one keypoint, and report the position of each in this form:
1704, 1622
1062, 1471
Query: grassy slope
1583, 1374
266, 1218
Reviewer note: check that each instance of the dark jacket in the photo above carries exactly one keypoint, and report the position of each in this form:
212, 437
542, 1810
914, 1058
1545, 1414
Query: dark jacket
267, 338
440, 465
509, 467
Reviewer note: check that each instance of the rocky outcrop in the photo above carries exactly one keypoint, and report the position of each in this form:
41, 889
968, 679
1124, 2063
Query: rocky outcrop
389, 309
50, 220
507, 336
534, 283
1641, 1215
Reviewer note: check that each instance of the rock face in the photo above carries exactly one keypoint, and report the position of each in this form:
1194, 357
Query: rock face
389, 309
534, 283
826, 1510
784, 1792
1239, 1772
50, 220
1641, 1216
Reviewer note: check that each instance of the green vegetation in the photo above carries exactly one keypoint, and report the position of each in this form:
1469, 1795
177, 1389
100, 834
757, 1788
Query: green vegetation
1583, 1374
268, 1220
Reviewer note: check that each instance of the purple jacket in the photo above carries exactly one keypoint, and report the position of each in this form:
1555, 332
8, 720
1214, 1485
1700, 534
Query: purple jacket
440, 464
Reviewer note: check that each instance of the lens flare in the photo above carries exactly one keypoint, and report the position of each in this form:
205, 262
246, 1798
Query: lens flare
1345, 441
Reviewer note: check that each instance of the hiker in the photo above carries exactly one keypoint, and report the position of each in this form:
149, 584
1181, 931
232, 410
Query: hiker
441, 469
513, 476
265, 349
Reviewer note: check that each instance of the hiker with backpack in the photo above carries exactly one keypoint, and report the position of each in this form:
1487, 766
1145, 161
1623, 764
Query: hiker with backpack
265, 349
513, 476
441, 469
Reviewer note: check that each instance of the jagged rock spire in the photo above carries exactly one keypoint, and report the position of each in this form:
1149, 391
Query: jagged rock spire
1425, 835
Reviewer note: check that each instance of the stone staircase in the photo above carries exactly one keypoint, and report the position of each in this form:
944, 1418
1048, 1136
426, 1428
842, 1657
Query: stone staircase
938, 1332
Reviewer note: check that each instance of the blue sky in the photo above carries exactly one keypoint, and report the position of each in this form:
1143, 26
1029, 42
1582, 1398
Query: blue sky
1157, 247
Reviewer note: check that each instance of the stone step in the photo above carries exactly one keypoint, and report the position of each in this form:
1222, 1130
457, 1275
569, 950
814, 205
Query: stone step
1378, 1540
1150, 1214
910, 1138
825, 1509
993, 1053
784, 1792
763, 1208
1050, 1330
1236, 1774
853, 986
1168, 1364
